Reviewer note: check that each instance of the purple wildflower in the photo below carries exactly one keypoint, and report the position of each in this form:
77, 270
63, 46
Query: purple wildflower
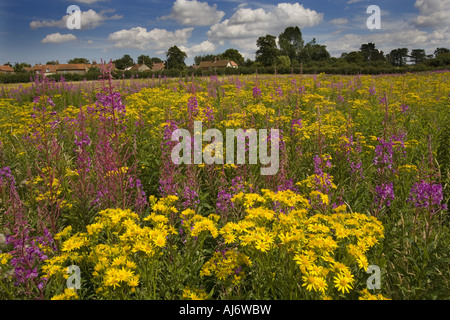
427, 195
193, 106
191, 199
384, 194
404, 108
256, 93
384, 155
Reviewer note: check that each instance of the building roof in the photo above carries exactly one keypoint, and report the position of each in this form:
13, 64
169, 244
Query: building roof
61, 67
6, 68
205, 64
216, 64
73, 66
99, 65
136, 67
67, 67
158, 66
49, 67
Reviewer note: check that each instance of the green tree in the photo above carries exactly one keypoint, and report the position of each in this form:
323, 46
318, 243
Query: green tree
439, 51
156, 60
233, 55
314, 52
353, 57
248, 62
143, 59
206, 57
53, 62
19, 67
175, 58
418, 56
78, 60
283, 61
124, 62
397, 57
443, 59
267, 50
291, 42
319, 53
371, 53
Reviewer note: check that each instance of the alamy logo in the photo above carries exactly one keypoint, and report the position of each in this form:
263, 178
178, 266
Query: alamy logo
374, 21
374, 281
74, 281
213, 153
74, 19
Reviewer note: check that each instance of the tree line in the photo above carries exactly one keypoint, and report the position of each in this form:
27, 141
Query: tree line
286, 54
289, 52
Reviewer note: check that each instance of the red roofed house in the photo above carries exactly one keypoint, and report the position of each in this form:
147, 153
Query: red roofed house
217, 64
158, 66
77, 68
139, 67
6, 69
46, 69
99, 65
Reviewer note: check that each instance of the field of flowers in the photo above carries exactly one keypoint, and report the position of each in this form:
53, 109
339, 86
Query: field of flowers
87, 180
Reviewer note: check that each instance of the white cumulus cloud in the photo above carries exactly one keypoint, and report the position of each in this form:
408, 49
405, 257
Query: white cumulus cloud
194, 13
204, 47
392, 36
433, 13
89, 20
246, 25
140, 38
58, 38
339, 21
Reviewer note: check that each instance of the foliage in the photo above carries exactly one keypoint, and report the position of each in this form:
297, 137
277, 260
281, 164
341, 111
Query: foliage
233, 55
175, 58
398, 56
314, 52
78, 60
418, 56
144, 59
283, 61
206, 57
124, 62
267, 52
19, 67
291, 42
371, 53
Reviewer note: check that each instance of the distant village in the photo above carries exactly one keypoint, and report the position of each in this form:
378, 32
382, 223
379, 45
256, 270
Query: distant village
83, 68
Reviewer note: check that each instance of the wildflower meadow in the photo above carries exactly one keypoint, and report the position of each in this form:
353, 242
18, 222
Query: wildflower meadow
92, 205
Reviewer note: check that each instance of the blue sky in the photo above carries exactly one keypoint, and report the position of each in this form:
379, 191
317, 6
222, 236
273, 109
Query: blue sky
36, 31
